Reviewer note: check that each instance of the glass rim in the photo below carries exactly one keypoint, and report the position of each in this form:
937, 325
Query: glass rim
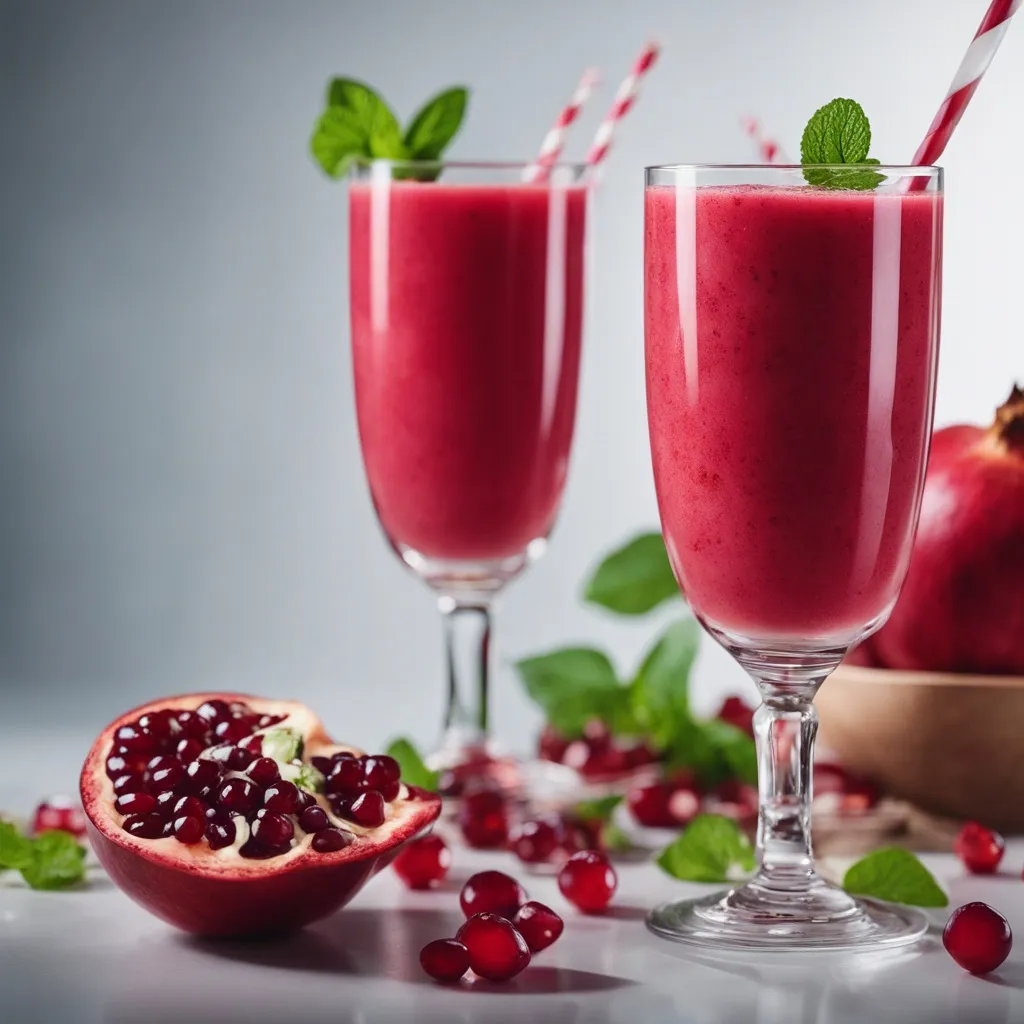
577, 166
922, 170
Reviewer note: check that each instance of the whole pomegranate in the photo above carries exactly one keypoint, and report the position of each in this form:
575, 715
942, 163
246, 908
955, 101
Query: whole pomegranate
226, 814
962, 606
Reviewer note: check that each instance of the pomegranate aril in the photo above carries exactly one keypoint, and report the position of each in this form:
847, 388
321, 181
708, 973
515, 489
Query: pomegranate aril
979, 848
483, 818
213, 711
263, 771
232, 731
273, 829
240, 759
537, 841
588, 881
367, 809
220, 833
135, 740
282, 796
61, 814
165, 802
346, 777
254, 744
255, 850
161, 725
379, 769
977, 937
497, 951
201, 775
390, 790
192, 725
322, 765
144, 826
188, 749
314, 819
330, 840
191, 806
238, 796
343, 755
122, 762
423, 863
268, 720
129, 784
306, 799
135, 803
221, 754
492, 892
445, 960
189, 830
539, 925
167, 776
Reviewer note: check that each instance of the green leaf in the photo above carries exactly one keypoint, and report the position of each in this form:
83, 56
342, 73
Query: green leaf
660, 691
735, 750
338, 140
839, 133
577, 684
712, 849
414, 771
600, 809
436, 124
635, 578
15, 849
57, 861
896, 875
356, 124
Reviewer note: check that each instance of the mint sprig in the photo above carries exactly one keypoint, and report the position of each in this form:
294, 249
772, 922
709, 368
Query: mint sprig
839, 133
53, 860
414, 771
896, 875
712, 849
634, 579
357, 124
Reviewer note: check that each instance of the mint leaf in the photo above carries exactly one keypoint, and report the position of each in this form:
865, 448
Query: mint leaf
634, 579
57, 861
712, 849
357, 124
727, 753
660, 690
414, 771
15, 849
436, 124
599, 809
896, 875
839, 133
577, 684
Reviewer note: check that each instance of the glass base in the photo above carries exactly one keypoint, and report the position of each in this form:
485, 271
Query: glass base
821, 918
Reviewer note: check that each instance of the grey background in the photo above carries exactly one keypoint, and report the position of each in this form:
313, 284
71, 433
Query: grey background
183, 504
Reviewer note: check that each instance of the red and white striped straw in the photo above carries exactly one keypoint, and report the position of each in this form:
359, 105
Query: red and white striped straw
974, 65
622, 104
554, 142
768, 149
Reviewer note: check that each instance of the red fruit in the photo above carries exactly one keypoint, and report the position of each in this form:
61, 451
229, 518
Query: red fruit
552, 745
962, 606
497, 951
263, 771
445, 960
539, 925
663, 805
423, 863
537, 841
588, 881
201, 883
733, 799
840, 790
979, 848
59, 812
736, 711
491, 892
483, 818
977, 937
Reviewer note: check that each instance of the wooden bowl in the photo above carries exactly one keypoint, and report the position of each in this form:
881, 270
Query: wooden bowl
951, 744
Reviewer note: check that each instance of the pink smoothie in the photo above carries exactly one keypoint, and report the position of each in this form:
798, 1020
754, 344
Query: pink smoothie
467, 305
791, 339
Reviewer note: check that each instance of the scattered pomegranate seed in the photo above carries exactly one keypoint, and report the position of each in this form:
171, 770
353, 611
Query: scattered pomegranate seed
552, 745
497, 951
736, 711
483, 818
979, 848
649, 805
538, 840
330, 840
59, 812
539, 925
492, 892
445, 960
423, 863
733, 799
977, 937
588, 881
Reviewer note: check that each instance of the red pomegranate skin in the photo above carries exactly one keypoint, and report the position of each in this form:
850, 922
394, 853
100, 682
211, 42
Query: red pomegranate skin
962, 606
225, 897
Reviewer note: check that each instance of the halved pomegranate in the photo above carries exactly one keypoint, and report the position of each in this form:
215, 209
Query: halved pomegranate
185, 830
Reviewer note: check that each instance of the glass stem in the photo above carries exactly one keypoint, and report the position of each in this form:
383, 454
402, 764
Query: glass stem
467, 635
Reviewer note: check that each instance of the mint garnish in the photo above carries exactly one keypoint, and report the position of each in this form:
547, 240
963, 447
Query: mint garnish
712, 849
15, 849
634, 579
839, 133
599, 809
53, 860
896, 875
281, 744
414, 771
357, 124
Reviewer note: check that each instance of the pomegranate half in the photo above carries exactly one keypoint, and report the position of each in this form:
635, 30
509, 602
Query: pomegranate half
231, 815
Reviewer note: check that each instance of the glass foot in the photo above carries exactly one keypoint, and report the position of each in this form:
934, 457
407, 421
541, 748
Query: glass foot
822, 917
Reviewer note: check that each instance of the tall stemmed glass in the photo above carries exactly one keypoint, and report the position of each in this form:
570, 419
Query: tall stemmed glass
467, 308
791, 344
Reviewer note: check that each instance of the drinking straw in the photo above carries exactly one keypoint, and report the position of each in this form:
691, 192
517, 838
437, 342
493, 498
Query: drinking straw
768, 149
554, 142
974, 65
622, 104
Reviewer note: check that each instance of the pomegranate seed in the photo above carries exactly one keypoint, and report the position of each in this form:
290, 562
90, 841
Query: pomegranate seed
492, 892
273, 829
483, 818
239, 796
167, 776
390, 790
220, 832
192, 725
162, 725
497, 951
253, 744
129, 784
322, 765
346, 777
165, 802
367, 809
263, 771
232, 731
379, 770
144, 826
588, 881
306, 799
135, 803
61, 814
736, 711
188, 749
123, 764
282, 796
538, 924
135, 740
537, 841
213, 711
733, 799
253, 850
977, 937
221, 754
343, 755
189, 830
201, 776
445, 960
552, 745
240, 759
663, 805
979, 848
314, 819
331, 840
423, 863
190, 806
